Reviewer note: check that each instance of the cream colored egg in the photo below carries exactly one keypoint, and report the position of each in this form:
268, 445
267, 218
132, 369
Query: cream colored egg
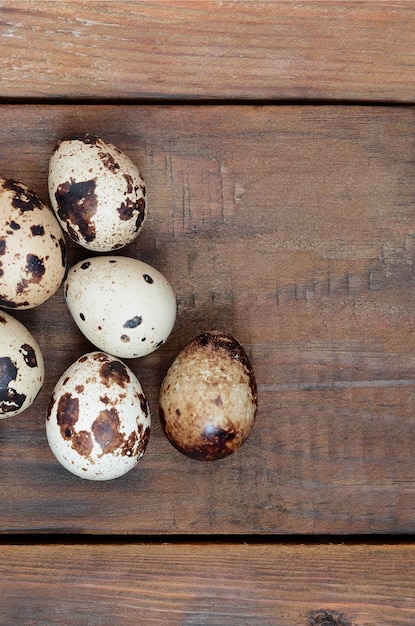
98, 420
97, 193
32, 248
208, 398
22, 368
122, 305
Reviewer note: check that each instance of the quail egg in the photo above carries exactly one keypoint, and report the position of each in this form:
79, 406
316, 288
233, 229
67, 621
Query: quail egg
97, 193
22, 369
32, 248
98, 420
208, 398
122, 305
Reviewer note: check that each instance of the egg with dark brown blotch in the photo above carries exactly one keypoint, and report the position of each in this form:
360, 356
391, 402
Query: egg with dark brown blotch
208, 398
22, 369
98, 420
32, 248
97, 193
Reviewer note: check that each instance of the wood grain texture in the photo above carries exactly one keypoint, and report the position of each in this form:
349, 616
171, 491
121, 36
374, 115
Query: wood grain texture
208, 49
292, 228
196, 584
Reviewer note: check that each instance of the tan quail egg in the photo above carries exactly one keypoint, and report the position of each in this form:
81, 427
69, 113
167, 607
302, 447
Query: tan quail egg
32, 248
98, 420
97, 193
22, 368
122, 305
208, 398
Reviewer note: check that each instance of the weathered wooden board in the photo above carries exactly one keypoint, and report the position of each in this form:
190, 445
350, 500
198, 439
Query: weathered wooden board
293, 228
201, 585
208, 49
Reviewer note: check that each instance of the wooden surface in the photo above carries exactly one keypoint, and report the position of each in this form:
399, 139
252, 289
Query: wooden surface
203, 585
292, 228
265, 49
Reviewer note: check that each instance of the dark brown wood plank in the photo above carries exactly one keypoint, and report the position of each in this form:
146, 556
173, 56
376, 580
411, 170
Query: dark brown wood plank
208, 49
292, 228
255, 585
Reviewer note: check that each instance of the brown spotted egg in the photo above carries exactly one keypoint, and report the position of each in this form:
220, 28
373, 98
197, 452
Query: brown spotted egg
122, 305
208, 398
97, 193
32, 248
98, 420
22, 368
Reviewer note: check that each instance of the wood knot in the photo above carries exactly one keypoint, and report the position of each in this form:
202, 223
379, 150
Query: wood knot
328, 618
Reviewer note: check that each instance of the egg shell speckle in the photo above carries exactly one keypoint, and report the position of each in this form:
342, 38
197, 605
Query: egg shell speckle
97, 193
32, 248
208, 398
22, 369
122, 305
98, 420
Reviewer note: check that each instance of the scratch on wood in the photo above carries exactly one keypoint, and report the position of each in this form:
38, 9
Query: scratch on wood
310, 292
409, 249
187, 204
337, 384
329, 283
231, 192
202, 192
349, 284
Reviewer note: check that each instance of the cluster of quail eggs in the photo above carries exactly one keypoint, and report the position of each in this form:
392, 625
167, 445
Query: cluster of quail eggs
98, 418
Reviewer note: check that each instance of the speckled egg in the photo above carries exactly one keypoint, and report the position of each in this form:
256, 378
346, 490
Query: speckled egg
32, 248
22, 368
97, 193
208, 398
98, 420
122, 305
